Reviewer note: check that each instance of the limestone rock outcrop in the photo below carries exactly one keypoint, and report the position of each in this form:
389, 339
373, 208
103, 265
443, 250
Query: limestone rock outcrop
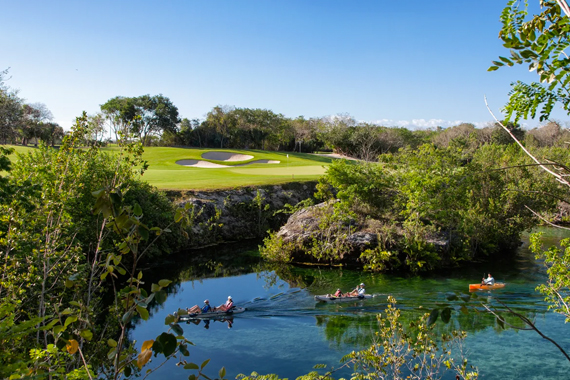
232, 215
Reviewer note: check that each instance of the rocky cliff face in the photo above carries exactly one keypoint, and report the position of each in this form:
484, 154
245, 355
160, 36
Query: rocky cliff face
223, 216
305, 224
342, 240
325, 234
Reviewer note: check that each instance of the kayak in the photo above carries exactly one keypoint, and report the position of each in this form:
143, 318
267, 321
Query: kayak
496, 285
212, 314
325, 298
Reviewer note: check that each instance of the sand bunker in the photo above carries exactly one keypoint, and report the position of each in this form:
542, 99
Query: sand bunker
200, 164
226, 156
206, 164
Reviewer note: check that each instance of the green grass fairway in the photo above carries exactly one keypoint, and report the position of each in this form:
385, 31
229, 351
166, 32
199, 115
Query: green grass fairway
17, 149
164, 173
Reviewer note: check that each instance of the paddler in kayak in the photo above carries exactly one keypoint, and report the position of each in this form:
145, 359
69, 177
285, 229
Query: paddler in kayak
359, 291
488, 281
337, 294
227, 306
196, 309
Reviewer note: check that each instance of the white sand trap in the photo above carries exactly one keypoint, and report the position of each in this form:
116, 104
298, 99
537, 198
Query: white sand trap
200, 164
226, 156
211, 165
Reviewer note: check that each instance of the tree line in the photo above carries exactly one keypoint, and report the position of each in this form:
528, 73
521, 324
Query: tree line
22, 122
255, 128
69, 228
154, 120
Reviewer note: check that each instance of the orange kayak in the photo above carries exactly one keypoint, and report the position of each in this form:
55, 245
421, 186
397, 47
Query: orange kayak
496, 285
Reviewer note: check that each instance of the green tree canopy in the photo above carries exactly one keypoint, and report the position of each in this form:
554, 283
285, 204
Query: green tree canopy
10, 110
144, 116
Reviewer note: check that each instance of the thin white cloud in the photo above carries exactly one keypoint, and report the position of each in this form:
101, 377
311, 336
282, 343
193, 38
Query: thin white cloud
417, 123
424, 124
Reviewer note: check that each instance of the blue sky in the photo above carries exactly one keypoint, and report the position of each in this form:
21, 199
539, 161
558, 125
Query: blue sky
406, 63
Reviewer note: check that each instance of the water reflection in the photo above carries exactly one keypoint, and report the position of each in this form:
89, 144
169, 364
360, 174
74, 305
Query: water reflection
344, 330
206, 322
416, 295
285, 331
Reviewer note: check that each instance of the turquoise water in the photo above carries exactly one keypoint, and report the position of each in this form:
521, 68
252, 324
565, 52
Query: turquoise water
284, 331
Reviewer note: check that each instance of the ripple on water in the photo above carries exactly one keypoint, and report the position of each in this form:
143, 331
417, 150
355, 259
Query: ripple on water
285, 331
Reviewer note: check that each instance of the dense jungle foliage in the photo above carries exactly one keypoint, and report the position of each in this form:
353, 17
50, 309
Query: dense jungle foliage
72, 237
72, 231
72, 242
429, 207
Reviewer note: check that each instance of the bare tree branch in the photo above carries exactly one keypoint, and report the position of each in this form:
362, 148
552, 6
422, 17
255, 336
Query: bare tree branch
504, 321
564, 6
558, 177
552, 163
544, 220
529, 323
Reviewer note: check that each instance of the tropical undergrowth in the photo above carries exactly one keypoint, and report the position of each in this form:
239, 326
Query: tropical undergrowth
55, 272
73, 231
428, 208
87, 171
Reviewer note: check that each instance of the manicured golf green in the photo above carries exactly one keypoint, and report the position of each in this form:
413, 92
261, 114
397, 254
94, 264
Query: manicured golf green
165, 173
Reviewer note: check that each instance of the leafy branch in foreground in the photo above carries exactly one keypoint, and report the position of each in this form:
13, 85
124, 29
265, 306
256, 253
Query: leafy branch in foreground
540, 41
413, 354
557, 261
54, 277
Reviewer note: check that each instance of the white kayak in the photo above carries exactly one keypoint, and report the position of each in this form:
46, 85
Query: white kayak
326, 298
213, 314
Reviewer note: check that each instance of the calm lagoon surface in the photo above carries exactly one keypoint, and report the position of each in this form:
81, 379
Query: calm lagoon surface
286, 332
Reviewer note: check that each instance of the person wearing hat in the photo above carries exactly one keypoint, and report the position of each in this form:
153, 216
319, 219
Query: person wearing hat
227, 306
196, 309
359, 291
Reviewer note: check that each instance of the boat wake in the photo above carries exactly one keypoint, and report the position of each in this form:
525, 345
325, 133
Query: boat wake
301, 303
